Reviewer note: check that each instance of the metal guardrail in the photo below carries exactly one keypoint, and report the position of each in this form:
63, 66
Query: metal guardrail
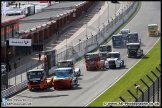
14, 89
93, 38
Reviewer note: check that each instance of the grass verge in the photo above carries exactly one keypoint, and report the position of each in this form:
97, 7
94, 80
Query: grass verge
133, 76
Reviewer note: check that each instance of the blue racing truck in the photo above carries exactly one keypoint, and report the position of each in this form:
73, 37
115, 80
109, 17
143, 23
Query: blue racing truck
133, 38
118, 41
124, 33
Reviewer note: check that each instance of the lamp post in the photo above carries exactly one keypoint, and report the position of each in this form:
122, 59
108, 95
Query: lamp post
79, 43
86, 26
108, 11
115, 9
66, 45
99, 17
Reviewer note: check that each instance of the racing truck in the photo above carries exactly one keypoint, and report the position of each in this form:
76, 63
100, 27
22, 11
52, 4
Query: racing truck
134, 50
118, 41
94, 61
105, 48
114, 60
68, 63
133, 38
37, 79
153, 29
124, 33
64, 78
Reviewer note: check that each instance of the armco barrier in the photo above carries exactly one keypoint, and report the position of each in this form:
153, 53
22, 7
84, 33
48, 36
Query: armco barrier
14, 89
98, 38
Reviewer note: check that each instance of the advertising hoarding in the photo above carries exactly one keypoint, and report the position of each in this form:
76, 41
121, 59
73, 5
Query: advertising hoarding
19, 42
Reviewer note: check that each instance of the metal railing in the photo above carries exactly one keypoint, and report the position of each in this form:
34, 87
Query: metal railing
150, 92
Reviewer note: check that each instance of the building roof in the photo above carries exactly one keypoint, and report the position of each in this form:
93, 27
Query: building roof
152, 25
47, 14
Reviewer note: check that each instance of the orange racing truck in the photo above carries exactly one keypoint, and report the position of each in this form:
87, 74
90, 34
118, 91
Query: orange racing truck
37, 79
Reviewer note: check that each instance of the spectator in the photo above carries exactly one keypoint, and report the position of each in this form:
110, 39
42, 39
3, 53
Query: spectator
19, 4
39, 56
16, 4
15, 65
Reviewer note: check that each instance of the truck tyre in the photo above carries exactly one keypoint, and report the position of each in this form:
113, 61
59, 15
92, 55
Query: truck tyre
79, 72
71, 84
123, 63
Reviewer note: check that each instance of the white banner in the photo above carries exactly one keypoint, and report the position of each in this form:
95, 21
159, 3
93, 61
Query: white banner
19, 42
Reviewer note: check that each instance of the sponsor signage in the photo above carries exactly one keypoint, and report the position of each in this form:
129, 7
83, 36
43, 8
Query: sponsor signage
19, 42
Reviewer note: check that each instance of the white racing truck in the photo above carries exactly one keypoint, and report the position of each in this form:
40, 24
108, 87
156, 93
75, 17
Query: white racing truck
113, 60
68, 63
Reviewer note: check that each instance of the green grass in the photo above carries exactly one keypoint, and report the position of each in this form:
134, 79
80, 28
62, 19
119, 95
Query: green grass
133, 76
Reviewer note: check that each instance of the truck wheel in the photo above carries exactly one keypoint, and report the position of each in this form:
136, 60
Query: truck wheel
71, 84
79, 72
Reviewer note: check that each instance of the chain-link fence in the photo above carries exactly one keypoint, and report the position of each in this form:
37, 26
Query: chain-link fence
147, 90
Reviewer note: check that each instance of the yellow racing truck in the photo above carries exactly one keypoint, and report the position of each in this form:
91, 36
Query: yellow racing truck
37, 79
153, 29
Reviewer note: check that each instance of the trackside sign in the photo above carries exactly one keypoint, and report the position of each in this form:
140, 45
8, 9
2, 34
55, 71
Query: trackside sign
19, 42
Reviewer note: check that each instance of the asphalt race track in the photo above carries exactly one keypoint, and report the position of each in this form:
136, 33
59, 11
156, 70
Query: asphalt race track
92, 83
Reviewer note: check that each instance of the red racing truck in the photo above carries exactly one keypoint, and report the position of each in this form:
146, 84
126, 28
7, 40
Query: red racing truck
94, 61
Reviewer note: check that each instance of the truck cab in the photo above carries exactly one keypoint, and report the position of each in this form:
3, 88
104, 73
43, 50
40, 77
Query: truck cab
64, 78
92, 61
153, 29
133, 38
118, 41
124, 33
114, 60
105, 48
68, 63
37, 79
134, 50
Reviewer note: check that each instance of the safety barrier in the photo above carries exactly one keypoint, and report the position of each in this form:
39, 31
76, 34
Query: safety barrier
96, 38
14, 89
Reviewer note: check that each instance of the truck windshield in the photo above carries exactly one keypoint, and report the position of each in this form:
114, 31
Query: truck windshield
63, 73
132, 46
132, 38
91, 57
103, 56
35, 74
124, 31
105, 48
113, 55
152, 27
117, 38
65, 64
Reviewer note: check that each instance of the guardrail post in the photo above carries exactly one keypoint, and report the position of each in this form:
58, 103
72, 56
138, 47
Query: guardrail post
158, 85
132, 95
15, 76
148, 90
21, 76
153, 87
